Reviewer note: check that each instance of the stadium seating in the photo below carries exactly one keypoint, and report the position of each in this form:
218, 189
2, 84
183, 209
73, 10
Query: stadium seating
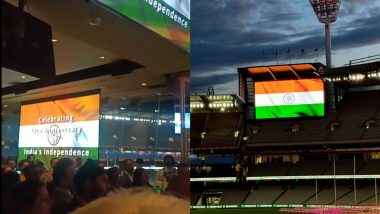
219, 128
314, 130
344, 167
371, 167
326, 196
281, 128
264, 194
308, 168
362, 195
353, 111
297, 195
269, 169
233, 195
194, 196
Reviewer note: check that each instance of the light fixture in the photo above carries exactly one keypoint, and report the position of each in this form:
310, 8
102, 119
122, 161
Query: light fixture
23, 76
203, 134
369, 123
5, 105
101, 57
122, 108
94, 20
143, 84
236, 133
54, 40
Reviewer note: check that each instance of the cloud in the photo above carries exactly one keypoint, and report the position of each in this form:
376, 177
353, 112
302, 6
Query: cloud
200, 83
227, 34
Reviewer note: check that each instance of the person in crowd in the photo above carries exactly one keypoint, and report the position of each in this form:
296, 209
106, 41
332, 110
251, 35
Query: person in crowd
11, 166
48, 175
165, 174
139, 163
31, 158
179, 185
141, 178
114, 177
41, 170
127, 169
22, 165
8, 181
61, 187
244, 168
29, 197
238, 170
32, 173
91, 182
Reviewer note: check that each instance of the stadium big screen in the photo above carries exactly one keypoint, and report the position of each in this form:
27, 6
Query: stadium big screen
289, 99
168, 18
60, 127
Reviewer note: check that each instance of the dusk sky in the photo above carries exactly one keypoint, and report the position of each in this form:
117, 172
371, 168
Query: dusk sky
227, 34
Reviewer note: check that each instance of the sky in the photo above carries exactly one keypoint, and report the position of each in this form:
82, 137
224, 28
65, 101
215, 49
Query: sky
227, 34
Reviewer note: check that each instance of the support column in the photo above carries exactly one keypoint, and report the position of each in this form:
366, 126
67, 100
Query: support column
328, 45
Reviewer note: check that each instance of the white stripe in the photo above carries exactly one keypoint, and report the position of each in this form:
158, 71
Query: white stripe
277, 99
36, 135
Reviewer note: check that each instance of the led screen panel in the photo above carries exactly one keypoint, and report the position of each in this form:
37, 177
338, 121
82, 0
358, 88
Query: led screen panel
169, 18
66, 127
289, 99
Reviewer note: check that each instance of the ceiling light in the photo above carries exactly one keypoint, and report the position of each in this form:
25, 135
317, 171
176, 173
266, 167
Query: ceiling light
54, 40
122, 108
94, 20
101, 57
143, 84
23, 76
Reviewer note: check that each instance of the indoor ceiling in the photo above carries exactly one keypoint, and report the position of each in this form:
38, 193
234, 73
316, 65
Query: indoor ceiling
80, 45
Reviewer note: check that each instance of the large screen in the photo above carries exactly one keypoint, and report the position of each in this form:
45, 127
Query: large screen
169, 18
59, 128
289, 99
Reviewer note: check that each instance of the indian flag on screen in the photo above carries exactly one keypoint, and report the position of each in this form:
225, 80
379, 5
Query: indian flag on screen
289, 99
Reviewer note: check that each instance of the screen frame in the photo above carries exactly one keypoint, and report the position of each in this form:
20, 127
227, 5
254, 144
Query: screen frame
61, 97
293, 118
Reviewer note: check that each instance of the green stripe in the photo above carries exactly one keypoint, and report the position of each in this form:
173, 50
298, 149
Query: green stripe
146, 14
288, 111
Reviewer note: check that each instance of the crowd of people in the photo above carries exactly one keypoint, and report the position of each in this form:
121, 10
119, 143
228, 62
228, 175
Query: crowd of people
69, 185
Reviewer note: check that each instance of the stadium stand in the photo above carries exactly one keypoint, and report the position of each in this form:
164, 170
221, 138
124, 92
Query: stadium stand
326, 196
362, 194
371, 167
265, 194
234, 195
270, 169
313, 132
194, 196
221, 128
308, 167
355, 108
297, 195
344, 167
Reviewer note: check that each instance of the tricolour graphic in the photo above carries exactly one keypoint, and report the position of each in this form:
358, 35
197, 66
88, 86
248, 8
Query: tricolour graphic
169, 18
289, 99
60, 128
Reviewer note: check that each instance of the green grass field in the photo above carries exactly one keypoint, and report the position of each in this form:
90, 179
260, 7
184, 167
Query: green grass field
233, 211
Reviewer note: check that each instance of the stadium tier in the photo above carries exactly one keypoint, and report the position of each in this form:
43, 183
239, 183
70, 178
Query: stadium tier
354, 110
317, 141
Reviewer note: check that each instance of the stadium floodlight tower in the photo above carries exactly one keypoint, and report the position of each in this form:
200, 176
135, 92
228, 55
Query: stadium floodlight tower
327, 13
